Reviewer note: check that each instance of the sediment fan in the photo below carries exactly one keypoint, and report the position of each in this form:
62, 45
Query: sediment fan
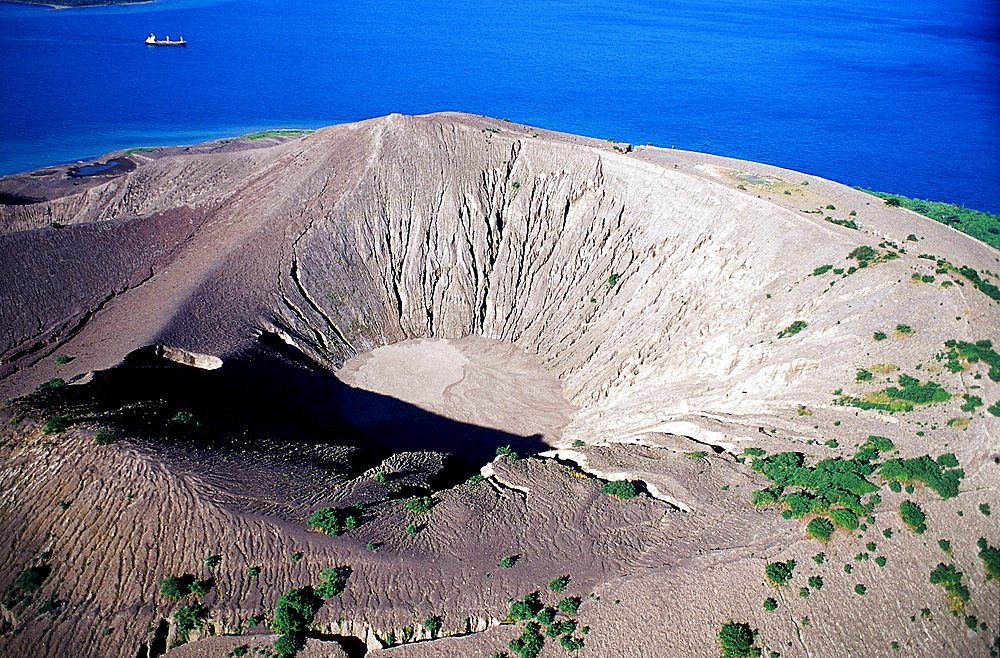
451, 386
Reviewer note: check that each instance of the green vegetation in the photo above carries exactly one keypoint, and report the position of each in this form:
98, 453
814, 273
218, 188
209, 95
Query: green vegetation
880, 560
737, 641
879, 335
869, 256
913, 516
822, 269
863, 375
559, 584
846, 223
508, 561
984, 509
506, 451
971, 402
941, 475
980, 225
189, 618
793, 328
944, 545
770, 604
334, 520
819, 558
570, 605
982, 285
58, 424
55, 382
906, 398
332, 581
860, 589
144, 149
779, 573
696, 454
820, 528
530, 643
105, 437
275, 133
620, 489
212, 561
175, 587
816, 582
950, 579
288, 645
970, 353
420, 504
990, 555
526, 608
433, 624
253, 572
63, 359
295, 610
31, 578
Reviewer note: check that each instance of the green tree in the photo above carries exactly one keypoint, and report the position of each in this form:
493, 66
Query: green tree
295, 610
737, 641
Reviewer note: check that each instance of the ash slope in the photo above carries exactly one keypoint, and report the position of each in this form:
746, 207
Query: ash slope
651, 284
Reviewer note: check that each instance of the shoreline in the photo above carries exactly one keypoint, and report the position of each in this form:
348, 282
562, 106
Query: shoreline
105, 3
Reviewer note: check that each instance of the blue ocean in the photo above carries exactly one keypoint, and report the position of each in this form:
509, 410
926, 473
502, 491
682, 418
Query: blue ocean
898, 96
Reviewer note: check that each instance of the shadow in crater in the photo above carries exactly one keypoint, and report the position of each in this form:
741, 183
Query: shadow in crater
272, 397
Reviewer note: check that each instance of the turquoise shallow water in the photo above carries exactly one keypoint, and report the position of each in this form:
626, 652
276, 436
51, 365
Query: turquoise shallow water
898, 96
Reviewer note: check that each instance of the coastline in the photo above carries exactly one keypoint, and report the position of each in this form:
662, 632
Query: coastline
103, 3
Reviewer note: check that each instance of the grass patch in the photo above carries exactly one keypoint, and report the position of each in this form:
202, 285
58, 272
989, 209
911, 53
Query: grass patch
793, 328
275, 133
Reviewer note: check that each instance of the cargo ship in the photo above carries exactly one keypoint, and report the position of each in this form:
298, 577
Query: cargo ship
153, 41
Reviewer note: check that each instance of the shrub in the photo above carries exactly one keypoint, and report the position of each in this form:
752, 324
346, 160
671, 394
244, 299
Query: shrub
779, 573
560, 627
860, 589
770, 604
31, 578
105, 437
816, 582
212, 561
737, 641
175, 587
412, 529
506, 451
793, 328
819, 558
334, 520
990, 555
904, 328
984, 509
420, 504
530, 643
924, 469
508, 561
295, 610
433, 624
201, 587
190, 617
55, 382
863, 375
58, 424
289, 645
546, 616
696, 454
559, 584
333, 581
879, 335
948, 577
763, 497
844, 518
822, 269
913, 516
619, 489
571, 643
820, 528
570, 605
63, 359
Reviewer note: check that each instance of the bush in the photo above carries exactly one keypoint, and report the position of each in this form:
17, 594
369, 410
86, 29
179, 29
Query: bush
822, 269
844, 518
333, 581
793, 328
526, 608
948, 577
190, 617
31, 578
420, 504
295, 610
212, 561
201, 587
334, 520
175, 587
737, 641
779, 573
506, 451
619, 489
559, 584
990, 555
816, 582
288, 645
820, 528
529, 645
863, 375
253, 572
879, 335
105, 437
571, 643
770, 604
55, 382
433, 624
58, 424
913, 516
570, 605
508, 561
546, 616
860, 589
